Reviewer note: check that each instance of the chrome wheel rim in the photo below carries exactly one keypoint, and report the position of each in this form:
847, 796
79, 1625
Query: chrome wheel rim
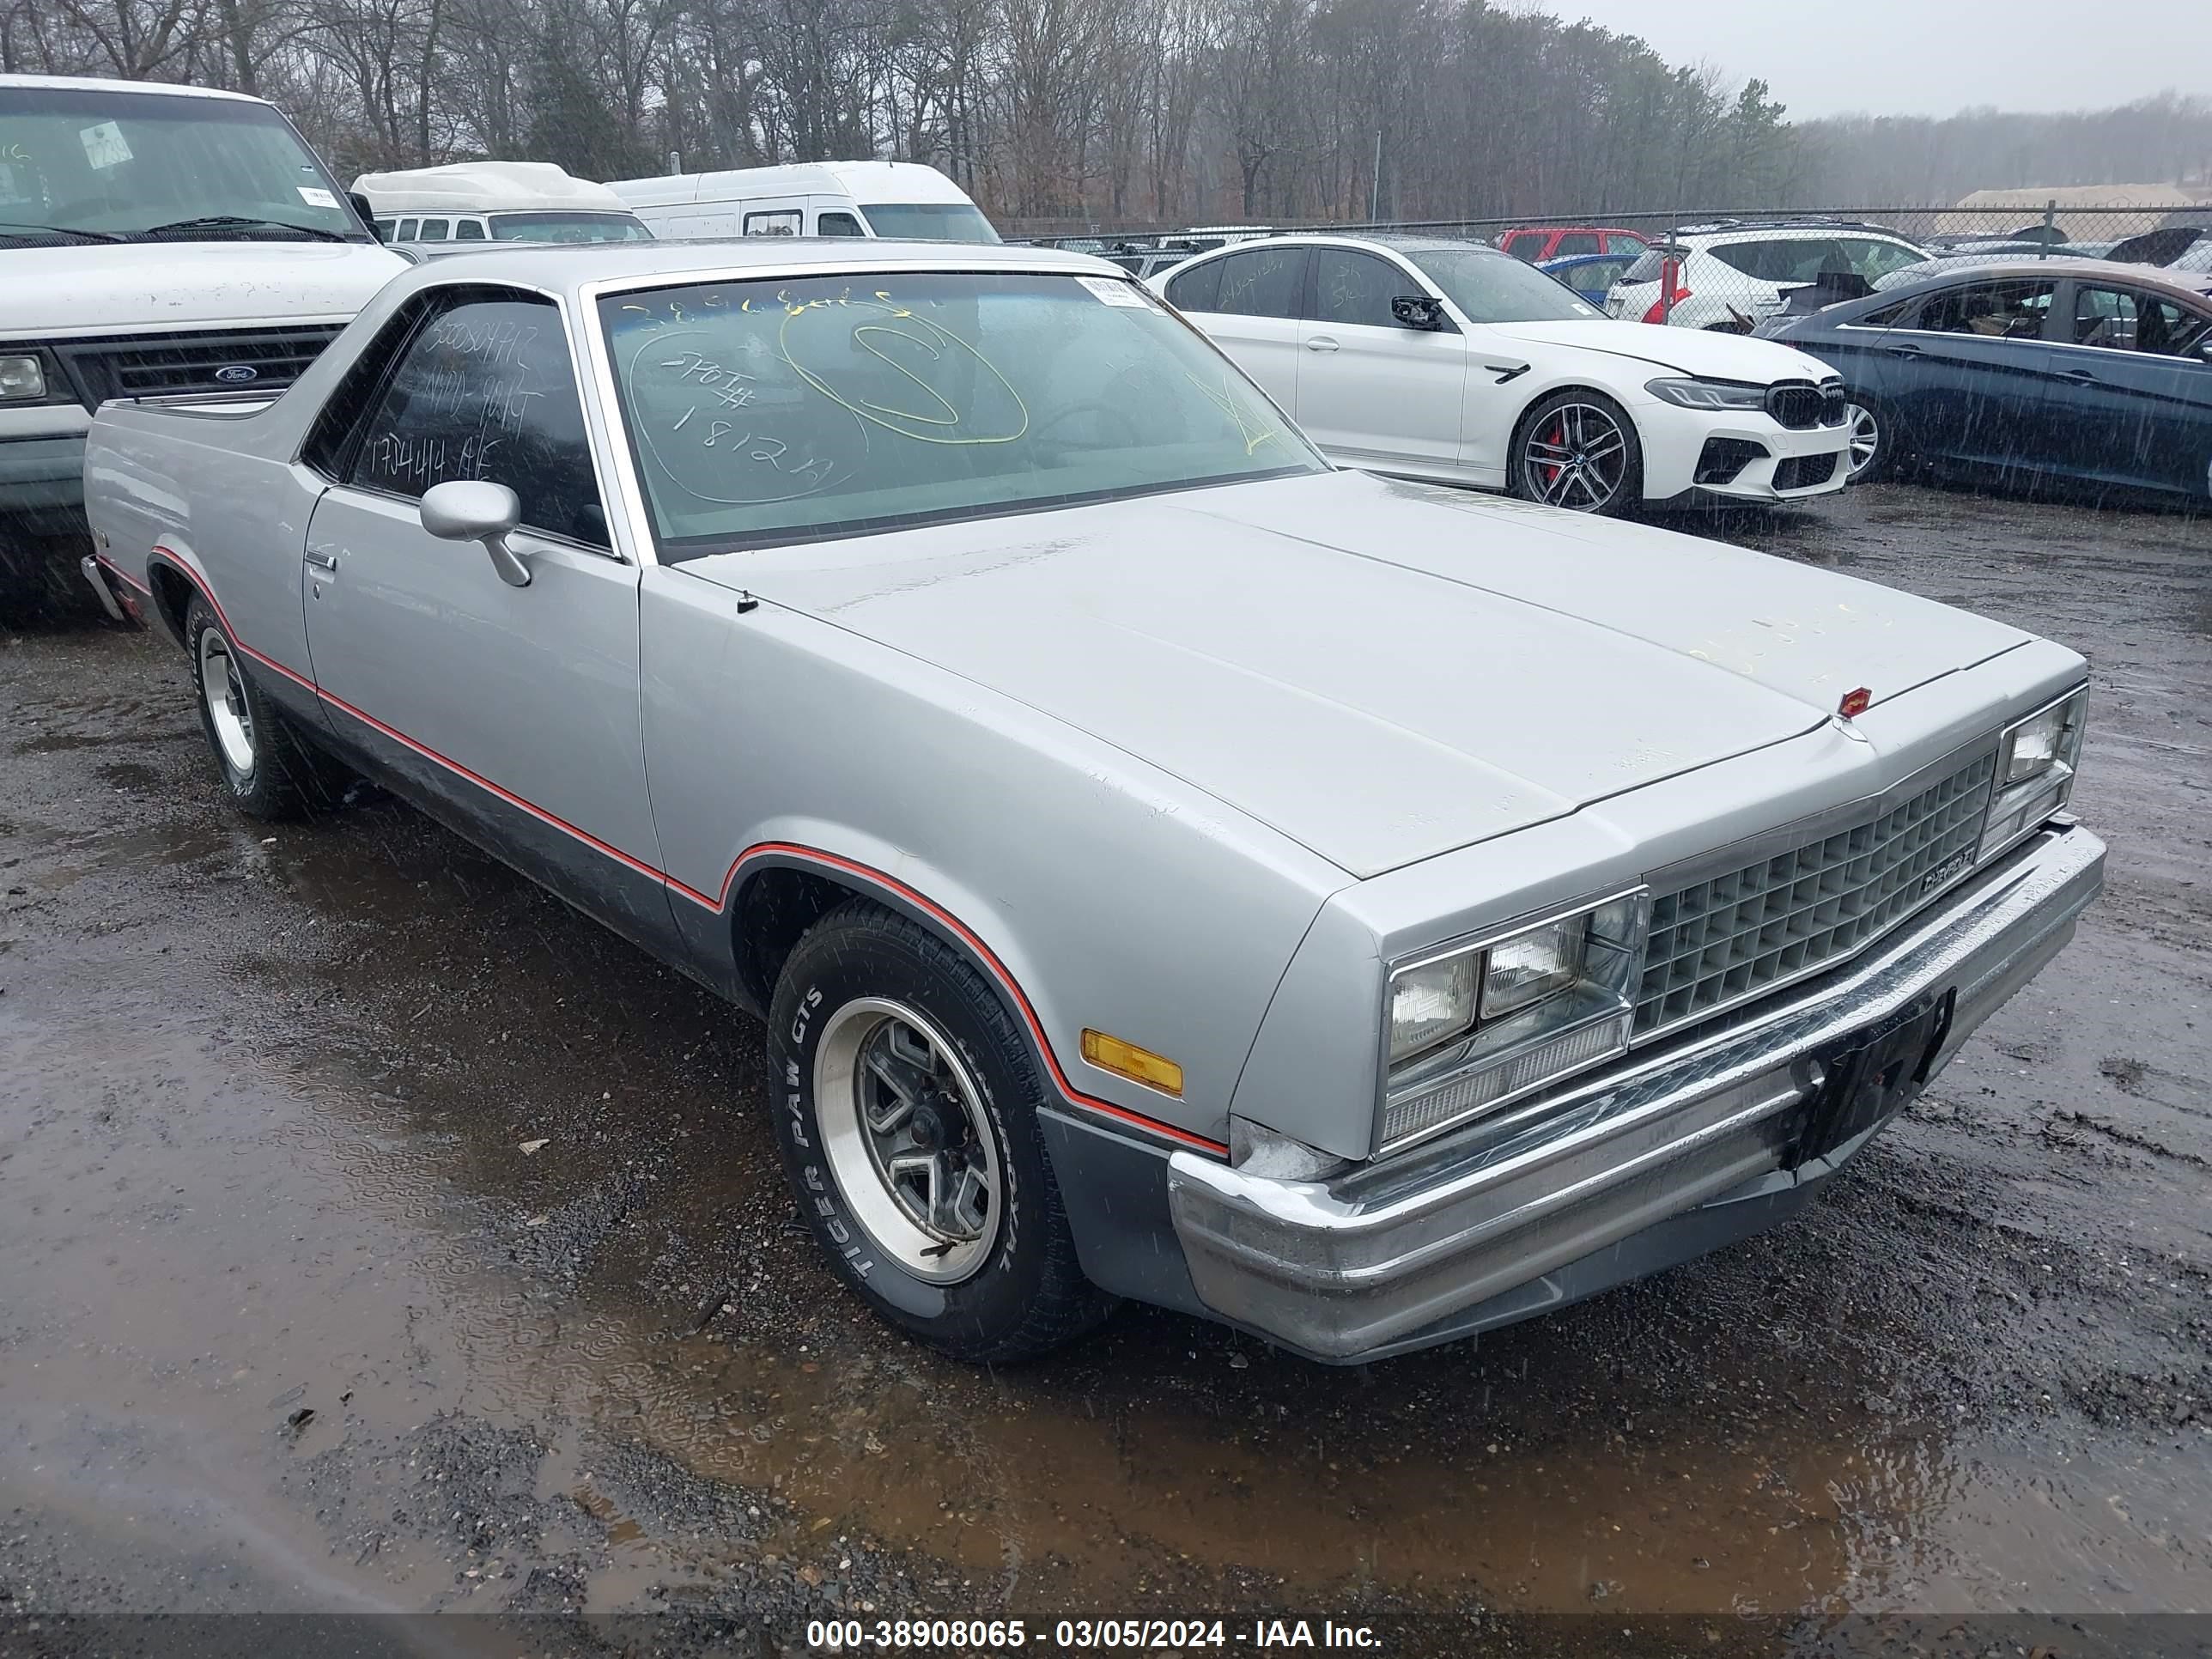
1575, 457
1866, 436
224, 692
907, 1139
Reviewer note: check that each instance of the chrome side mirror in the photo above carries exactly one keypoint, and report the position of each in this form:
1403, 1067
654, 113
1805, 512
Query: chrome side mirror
471, 510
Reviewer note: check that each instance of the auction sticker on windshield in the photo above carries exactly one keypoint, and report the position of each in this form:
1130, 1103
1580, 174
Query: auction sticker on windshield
104, 145
1115, 292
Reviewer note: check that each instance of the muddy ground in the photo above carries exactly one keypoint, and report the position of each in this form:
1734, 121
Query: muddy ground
293, 1321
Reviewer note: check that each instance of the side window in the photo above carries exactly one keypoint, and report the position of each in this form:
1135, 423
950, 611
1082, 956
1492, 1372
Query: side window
1198, 288
1872, 260
2166, 328
1619, 241
1574, 242
1887, 317
779, 221
468, 230
1788, 260
2012, 310
1526, 245
434, 230
384, 230
1263, 283
1357, 287
406, 231
837, 224
1751, 258
484, 390
2104, 317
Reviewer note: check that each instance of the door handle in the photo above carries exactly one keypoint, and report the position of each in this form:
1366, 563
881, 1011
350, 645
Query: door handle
2078, 374
1902, 350
326, 562
1320, 342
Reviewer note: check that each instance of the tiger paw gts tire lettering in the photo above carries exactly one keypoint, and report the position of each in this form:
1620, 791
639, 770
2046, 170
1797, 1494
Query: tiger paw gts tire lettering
906, 1104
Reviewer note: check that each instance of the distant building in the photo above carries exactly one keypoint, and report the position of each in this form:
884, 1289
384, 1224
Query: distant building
2156, 204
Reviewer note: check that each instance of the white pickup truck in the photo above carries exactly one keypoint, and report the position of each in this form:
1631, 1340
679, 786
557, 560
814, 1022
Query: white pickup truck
154, 239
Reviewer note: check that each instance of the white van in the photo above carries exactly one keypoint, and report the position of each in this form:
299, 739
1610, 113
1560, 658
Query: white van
496, 202
810, 198
154, 239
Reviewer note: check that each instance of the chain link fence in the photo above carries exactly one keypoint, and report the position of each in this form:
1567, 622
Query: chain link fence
1730, 269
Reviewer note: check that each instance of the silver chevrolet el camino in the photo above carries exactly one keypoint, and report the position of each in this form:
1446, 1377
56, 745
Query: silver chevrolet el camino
1169, 867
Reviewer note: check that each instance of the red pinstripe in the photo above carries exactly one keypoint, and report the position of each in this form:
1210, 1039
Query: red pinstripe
763, 849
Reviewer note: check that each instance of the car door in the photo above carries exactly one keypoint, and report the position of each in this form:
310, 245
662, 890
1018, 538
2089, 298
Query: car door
514, 709
1371, 390
2134, 395
1251, 311
1966, 377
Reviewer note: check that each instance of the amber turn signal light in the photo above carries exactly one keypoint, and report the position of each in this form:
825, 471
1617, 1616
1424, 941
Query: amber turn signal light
1111, 1053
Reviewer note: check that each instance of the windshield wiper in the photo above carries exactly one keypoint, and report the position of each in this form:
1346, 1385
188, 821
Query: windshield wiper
9, 225
233, 222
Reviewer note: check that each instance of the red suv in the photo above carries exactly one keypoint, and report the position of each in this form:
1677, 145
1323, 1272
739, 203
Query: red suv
1536, 243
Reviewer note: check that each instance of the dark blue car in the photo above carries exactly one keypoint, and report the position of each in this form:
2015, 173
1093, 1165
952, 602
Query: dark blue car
2055, 368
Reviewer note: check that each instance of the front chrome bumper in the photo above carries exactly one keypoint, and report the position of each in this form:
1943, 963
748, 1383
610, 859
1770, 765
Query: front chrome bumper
1508, 1218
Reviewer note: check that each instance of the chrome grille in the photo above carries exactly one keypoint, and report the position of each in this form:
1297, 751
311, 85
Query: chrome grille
154, 365
1735, 934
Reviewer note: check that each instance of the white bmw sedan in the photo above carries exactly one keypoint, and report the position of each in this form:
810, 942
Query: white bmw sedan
1453, 361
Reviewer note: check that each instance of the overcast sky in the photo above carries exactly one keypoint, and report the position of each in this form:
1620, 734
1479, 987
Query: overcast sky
1929, 56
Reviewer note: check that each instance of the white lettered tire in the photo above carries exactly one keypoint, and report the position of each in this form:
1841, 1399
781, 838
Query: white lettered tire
905, 1106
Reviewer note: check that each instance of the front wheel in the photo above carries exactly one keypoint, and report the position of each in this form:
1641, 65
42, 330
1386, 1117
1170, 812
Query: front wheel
906, 1104
1577, 449
1873, 452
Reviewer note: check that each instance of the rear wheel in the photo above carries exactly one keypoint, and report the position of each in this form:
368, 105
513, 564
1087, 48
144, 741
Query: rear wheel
1577, 449
906, 1112
273, 773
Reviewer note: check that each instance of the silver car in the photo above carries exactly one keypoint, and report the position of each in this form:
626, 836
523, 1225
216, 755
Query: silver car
1169, 867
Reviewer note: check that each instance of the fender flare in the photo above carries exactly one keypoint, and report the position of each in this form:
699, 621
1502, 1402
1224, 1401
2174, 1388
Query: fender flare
925, 911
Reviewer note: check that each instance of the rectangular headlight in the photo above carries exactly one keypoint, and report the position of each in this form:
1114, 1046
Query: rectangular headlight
1482, 1023
1430, 1004
21, 376
2036, 758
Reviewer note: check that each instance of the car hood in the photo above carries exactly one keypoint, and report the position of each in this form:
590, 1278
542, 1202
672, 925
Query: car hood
134, 287
1382, 671
1718, 356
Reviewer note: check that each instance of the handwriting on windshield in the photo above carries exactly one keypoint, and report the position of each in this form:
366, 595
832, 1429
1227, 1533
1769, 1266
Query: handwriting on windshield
1240, 412
702, 416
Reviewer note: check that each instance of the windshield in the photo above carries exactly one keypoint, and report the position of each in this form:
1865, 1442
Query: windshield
122, 163
781, 412
580, 226
930, 221
1497, 288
